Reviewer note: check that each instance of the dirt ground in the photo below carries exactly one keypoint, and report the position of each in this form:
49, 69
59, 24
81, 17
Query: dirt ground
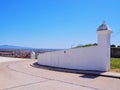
115, 70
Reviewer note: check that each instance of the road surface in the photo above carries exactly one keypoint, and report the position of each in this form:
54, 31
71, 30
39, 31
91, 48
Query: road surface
19, 75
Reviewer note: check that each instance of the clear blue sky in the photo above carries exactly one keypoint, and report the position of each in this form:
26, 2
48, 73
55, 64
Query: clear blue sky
56, 23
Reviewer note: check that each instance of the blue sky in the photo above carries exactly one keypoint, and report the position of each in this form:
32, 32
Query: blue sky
56, 23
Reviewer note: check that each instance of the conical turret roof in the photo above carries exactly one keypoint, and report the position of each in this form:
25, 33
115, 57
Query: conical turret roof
103, 27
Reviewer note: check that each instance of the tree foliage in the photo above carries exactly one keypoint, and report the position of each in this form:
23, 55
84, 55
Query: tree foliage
113, 45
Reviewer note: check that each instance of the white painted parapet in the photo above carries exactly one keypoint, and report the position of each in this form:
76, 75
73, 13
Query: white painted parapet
87, 58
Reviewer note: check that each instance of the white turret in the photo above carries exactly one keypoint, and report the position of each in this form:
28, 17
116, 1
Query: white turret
104, 33
32, 55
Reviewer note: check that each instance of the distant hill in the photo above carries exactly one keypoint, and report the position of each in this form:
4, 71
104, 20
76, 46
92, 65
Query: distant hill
13, 47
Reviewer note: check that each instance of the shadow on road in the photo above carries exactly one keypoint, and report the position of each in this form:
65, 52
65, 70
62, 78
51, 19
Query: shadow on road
86, 73
89, 76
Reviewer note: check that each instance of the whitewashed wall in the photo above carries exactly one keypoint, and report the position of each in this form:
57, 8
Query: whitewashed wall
87, 58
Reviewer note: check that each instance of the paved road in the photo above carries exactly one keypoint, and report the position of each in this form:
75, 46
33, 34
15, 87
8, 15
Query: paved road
19, 75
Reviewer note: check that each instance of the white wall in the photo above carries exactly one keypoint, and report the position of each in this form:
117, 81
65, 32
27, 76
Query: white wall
87, 58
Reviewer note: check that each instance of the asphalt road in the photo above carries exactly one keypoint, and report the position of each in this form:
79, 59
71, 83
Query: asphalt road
19, 75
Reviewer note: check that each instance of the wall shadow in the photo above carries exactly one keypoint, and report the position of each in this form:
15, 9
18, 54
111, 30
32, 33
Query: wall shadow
85, 73
89, 76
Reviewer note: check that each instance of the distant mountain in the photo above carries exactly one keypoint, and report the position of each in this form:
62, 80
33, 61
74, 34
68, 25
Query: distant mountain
26, 48
13, 47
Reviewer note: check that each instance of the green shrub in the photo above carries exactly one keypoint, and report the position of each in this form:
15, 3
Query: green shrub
86, 45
